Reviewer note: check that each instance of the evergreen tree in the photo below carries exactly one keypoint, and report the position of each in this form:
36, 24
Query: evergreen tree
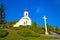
50, 28
34, 24
2, 14
2, 17
56, 29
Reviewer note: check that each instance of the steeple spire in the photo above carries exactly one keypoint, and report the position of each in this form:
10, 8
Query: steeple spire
26, 9
26, 13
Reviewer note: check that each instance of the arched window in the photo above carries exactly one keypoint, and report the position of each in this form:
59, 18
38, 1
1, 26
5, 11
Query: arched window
26, 22
26, 14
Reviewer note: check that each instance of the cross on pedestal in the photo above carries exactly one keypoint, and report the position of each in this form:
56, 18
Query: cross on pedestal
46, 32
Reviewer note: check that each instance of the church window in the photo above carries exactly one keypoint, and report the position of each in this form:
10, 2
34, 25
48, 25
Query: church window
26, 22
26, 14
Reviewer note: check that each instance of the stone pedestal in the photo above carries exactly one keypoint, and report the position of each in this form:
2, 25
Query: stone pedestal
46, 33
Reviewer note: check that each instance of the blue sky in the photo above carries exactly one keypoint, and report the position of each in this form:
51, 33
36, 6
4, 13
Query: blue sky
14, 10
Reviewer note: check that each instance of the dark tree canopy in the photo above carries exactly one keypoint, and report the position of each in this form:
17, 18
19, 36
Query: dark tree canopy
2, 14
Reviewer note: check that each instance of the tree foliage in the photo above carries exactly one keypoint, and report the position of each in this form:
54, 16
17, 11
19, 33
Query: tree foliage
2, 14
57, 30
37, 29
50, 28
3, 33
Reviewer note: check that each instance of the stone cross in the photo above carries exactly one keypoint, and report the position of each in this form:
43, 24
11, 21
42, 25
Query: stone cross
46, 32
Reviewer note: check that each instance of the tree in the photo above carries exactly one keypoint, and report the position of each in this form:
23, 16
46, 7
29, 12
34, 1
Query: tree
36, 28
50, 28
56, 29
2, 14
35, 24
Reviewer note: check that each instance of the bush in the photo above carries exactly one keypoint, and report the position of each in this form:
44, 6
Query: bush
28, 33
3, 33
39, 30
58, 32
17, 28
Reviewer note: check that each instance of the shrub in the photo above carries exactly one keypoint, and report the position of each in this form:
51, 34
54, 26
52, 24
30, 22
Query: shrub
58, 32
3, 33
28, 33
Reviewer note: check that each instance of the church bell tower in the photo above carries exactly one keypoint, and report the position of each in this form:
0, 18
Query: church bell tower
26, 13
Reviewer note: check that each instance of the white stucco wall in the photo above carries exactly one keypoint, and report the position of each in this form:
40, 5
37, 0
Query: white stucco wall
23, 21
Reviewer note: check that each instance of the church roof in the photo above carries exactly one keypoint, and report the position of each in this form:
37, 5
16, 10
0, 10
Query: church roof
26, 18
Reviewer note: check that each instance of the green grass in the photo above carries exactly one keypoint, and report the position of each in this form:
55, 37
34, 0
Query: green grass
14, 36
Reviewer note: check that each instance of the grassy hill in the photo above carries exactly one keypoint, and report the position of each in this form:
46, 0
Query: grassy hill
14, 36
33, 32
25, 33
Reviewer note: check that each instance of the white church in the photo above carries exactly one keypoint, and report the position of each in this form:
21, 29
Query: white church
25, 20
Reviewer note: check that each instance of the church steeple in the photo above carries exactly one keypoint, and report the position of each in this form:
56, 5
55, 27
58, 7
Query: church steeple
26, 13
26, 9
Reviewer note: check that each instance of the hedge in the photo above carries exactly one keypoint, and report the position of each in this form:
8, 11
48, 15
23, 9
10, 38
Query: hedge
3, 33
